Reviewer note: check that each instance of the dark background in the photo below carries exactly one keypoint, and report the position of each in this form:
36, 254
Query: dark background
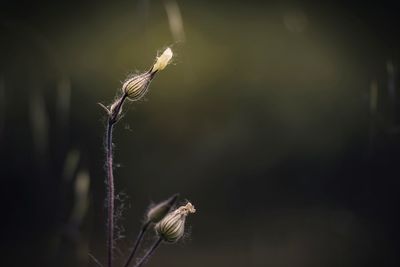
278, 120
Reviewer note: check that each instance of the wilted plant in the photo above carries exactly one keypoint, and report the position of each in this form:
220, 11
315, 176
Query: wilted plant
133, 89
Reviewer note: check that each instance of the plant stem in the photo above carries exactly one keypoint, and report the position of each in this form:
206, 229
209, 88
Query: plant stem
93, 258
110, 197
149, 253
113, 118
139, 239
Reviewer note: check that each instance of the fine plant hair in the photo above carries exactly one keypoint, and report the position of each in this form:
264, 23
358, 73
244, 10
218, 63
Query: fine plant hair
133, 89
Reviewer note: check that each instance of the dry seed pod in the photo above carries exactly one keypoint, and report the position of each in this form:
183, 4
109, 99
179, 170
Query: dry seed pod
137, 86
172, 227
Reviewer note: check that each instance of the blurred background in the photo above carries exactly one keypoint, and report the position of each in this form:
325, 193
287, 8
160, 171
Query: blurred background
278, 120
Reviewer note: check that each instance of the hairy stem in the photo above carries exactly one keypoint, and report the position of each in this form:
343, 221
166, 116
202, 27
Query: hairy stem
110, 196
149, 253
113, 118
139, 239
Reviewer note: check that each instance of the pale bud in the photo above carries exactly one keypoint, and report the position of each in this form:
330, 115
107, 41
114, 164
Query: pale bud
172, 227
157, 212
163, 60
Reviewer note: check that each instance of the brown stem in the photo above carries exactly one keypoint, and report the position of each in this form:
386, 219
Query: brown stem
113, 118
149, 253
110, 196
137, 242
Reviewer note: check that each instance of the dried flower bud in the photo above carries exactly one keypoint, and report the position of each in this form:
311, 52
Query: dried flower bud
172, 227
136, 87
157, 212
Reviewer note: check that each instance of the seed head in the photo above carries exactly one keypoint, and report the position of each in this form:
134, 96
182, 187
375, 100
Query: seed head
157, 212
172, 227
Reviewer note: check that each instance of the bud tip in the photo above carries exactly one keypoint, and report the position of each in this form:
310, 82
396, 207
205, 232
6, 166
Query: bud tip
163, 60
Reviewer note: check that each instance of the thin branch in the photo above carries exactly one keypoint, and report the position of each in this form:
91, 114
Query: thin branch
110, 196
113, 118
93, 258
149, 253
137, 243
